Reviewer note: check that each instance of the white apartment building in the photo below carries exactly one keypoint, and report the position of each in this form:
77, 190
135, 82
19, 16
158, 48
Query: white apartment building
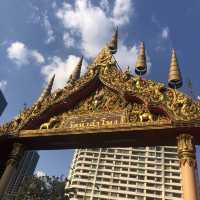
145, 173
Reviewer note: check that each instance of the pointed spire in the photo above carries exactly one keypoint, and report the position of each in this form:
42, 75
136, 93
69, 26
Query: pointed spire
174, 75
141, 65
47, 91
50, 85
112, 45
77, 71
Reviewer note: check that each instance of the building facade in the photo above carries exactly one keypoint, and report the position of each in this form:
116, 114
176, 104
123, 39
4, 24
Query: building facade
25, 168
145, 173
3, 103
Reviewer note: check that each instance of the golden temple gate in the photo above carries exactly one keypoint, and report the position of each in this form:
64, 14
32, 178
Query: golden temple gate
106, 107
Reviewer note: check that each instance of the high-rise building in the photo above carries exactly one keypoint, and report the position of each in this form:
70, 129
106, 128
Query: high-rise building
25, 168
3, 103
145, 173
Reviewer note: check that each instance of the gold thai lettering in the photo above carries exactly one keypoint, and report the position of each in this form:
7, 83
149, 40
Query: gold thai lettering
98, 124
116, 122
103, 121
94, 123
109, 123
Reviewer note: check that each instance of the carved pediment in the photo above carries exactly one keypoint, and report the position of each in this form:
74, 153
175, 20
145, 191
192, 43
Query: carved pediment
106, 108
106, 95
99, 104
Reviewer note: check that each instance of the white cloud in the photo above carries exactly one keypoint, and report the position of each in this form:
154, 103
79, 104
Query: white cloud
3, 84
40, 173
126, 56
121, 11
20, 54
104, 4
69, 41
91, 23
49, 30
165, 33
62, 69
38, 57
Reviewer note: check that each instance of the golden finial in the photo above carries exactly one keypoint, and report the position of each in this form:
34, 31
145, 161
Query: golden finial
112, 45
141, 66
174, 76
77, 71
50, 85
47, 91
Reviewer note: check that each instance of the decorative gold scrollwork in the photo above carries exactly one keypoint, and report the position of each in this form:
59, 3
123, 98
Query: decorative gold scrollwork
112, 84
186, 151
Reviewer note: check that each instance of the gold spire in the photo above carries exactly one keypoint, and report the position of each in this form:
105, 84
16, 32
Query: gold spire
112, 45
50, 85
174, 75
47, 91
77, 71
141, 66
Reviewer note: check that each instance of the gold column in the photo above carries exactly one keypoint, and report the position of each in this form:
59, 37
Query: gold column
14, 158
186, 154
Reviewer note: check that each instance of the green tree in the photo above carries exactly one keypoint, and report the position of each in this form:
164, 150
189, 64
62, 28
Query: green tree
42, 188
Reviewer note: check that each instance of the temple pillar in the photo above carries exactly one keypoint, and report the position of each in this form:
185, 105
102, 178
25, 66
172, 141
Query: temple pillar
186, 154
4, 156
11, 165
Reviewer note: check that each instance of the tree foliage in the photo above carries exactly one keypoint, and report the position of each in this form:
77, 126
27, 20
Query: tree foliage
42, 188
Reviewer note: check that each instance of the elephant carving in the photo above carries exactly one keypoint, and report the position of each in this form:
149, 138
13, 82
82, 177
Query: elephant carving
49, 124
146, 117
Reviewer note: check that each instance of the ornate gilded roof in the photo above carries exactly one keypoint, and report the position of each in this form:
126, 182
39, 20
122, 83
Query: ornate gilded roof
104, 90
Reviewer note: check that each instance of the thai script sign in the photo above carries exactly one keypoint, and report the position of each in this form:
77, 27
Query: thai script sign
93, 121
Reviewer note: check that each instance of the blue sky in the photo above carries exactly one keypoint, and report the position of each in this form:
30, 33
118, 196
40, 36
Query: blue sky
40, 38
